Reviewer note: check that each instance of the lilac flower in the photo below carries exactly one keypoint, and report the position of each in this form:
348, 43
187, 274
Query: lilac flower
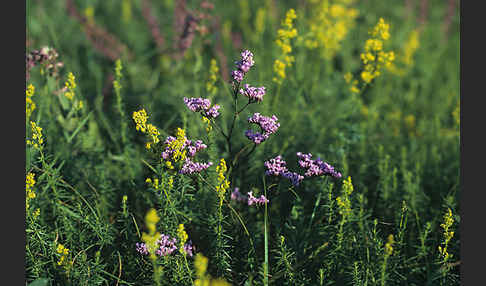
252, 200
166, 245
191, 167
212, 112
275, 166
237, 196
243, 66
189, 248
294, 178
316, 167
197, 104
142, 248
198, 145
255, 136
268, 125
237, 75
253, 93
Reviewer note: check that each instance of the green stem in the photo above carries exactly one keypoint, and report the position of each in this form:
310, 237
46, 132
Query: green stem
265, 265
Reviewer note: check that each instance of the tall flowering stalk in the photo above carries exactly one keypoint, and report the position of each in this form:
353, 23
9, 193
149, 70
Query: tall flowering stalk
285, 34
329, 23
374, 58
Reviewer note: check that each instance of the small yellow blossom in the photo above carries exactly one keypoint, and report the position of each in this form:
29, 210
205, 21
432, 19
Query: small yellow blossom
29, 193
70, 86
223, 184
37, 138
182, 235
64, 253
448, 234
389, 245
29, 103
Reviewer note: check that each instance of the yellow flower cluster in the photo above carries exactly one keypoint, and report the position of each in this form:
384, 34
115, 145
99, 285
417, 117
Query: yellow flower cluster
177, 146
140, 117
374, 57
208, 123
29, 193
156, 184
407, 54
29, 103
285, 34
389, 245
348, 77
118, 75
223, 184
64, 253
343, 201
203, 279
150, 239
213, 77
182, 235
448, 234
70, 86
37, 138
411, 47
329, 25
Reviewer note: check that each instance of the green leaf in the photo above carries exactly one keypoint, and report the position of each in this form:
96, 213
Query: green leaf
40, 282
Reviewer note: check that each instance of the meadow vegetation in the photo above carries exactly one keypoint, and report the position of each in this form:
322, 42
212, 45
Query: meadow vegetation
241, 142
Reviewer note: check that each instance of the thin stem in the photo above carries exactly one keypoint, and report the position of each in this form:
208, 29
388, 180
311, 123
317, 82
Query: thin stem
265, 265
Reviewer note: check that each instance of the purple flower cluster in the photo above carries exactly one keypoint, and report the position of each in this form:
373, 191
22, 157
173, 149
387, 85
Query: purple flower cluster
166, 245
191, 167
294, 178
277, 167
197, 104
257, 201
243, 66
189, 248
268, 125
253, 93
237, 196
316, 167
198, 145
141, 248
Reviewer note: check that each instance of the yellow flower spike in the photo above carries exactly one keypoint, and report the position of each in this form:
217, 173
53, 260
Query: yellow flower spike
284, 36
29, 103
213, 77
389, 245
70, 85
37, 137
182, 235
